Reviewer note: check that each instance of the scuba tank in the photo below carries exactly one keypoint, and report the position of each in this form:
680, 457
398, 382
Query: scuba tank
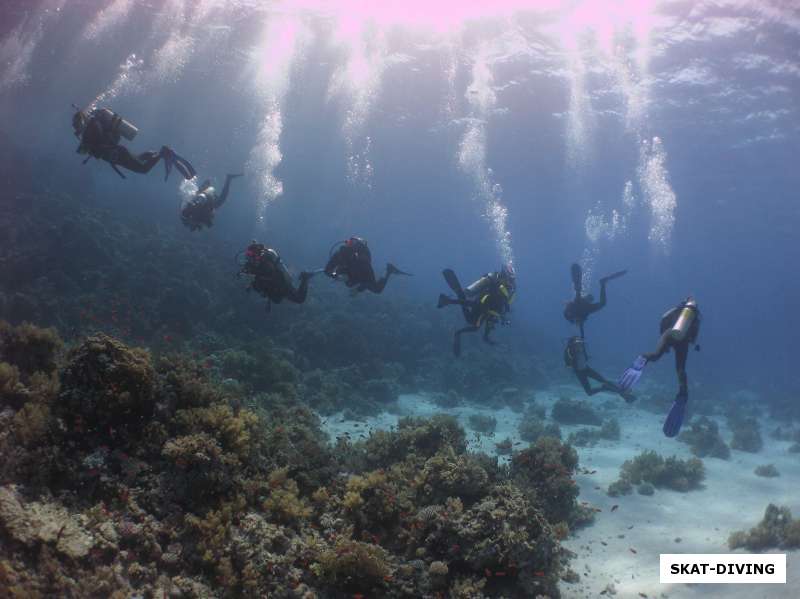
686, 318
115, 123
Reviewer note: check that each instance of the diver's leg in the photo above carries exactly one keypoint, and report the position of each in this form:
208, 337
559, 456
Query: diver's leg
143, 163
681, 354
584, 381
298, 295
607, 385
224, 195
661, 348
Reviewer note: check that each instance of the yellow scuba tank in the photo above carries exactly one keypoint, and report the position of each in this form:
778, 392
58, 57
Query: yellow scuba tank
116, 123
685, 319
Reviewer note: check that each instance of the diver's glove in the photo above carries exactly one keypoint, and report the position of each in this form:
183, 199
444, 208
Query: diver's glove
672, 425
632, 375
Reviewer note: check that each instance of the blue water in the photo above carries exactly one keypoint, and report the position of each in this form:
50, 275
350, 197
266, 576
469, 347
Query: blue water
410, 136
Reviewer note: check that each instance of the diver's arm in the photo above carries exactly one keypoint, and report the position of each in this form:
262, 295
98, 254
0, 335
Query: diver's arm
220, 200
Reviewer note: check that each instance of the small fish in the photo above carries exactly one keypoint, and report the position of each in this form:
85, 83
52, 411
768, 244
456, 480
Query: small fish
643, 595
614, 507
500, 573
540, 574
632, 550
604, 544
488, 572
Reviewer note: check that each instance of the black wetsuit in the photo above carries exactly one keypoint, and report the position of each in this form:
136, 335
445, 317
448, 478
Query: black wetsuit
354, 262
575, 357
272, 280
483, 304
681, 347
582, 306
103, 143
199, 211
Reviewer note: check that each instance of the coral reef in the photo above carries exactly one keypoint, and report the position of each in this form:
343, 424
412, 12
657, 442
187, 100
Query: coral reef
589, 437
778, 530
571, 411
746, 434
704, 439
649, 467
767, 471
128, 475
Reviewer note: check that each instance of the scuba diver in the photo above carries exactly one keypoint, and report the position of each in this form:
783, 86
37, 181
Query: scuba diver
680, 327
352, 260
575, 357
100, 131
579, 309
271, 279
198, 211
484, 303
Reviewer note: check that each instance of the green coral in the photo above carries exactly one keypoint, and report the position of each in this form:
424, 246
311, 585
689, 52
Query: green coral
532, 426
353, 566
650, 467
704, 439
589, 437
746, 434
571, 411
107, 386
483, 423
777, 530
545, 470
767, 471
29, 348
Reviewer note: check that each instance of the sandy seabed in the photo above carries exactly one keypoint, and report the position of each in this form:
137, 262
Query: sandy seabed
622, 548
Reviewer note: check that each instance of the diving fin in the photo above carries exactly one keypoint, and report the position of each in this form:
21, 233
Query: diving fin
632, 375
454, 283
184, 167
172, 159
393, 270
577, 277
444, 301
612, 276
672, 425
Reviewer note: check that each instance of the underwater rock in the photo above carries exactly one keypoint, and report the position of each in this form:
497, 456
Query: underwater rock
649, 467
33, 523
589, 437
778, 530
704, 439
570, 411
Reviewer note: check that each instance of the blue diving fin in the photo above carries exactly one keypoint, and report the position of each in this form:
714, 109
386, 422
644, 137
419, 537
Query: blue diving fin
672, 425
632, 375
